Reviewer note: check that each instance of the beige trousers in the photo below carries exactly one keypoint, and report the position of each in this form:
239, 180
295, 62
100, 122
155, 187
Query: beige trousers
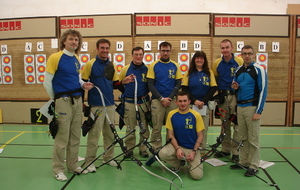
131, 123
159, 116
101, 125
168, 154
67, 139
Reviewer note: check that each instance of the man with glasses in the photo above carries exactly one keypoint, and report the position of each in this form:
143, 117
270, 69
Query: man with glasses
224, 68
164, 81
251, 84
136, 69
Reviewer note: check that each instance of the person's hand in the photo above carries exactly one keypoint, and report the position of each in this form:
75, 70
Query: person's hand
199, 104
256, 116
191, 156
88, 85
234, 85
179, 154
166, 102
128, 79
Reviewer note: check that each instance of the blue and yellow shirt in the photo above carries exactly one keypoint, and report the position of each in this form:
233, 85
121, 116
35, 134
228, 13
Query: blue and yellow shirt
185, 126
165, 75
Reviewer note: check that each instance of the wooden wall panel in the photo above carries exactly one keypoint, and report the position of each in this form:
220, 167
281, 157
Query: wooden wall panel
297, 71
278, 63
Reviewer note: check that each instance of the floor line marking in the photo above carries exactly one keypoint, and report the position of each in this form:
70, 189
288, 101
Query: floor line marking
2, 147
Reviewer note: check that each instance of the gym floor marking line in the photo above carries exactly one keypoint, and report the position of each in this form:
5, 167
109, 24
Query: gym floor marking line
12, 140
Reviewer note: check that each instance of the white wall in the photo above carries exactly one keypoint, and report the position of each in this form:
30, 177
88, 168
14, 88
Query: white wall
34, 8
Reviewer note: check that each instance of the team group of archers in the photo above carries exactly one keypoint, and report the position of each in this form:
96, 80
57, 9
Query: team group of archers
240, 82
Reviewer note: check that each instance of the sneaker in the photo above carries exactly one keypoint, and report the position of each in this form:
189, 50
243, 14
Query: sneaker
221, 154
235, 158
251, 172
91, 168
79, 170
176, 170
61, 177
112, 163
237, 167
144, 154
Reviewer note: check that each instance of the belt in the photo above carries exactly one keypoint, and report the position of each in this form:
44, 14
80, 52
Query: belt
246, 101
138, 98
77, 96
227, 92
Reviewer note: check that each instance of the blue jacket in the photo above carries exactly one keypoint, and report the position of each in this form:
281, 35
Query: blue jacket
253, 84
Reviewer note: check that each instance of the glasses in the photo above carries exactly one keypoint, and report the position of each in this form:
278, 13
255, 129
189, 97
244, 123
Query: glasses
138, 54
250, 53
165, 50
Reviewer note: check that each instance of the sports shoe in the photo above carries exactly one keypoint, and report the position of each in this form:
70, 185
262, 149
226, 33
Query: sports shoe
235, 158
221, 154
91, 168
79, 170
144, 154
237, 167
112, 163
176, 170
61, 177
251, 172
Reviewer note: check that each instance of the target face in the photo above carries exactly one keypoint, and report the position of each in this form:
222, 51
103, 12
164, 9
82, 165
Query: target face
148, 57
183, 57
84, 58
262, 58
41, 68
6, 59
29, 69
29, 59
119, 67
41, 59
119, 58
7, 78
7, 69
183, 67
41, 78
30, 78
263, 66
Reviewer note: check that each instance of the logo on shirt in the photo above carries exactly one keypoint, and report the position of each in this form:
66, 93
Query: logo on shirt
172, 73
144, 79
188, 122
205, 81
77, 67
232, 69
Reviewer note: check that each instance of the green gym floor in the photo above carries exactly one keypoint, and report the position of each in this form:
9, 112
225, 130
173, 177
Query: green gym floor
25, 163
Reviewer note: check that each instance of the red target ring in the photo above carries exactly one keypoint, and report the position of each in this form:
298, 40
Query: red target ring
29, 59
6, 59
29, 69
7, 69
183, 57
7, 78
41, 59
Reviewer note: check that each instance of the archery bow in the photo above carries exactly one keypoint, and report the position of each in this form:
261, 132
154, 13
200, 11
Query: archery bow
121, 143
137, 113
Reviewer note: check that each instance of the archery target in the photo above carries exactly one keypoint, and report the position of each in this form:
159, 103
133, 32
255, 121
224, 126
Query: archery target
238, 54
183, 60
148, 58
29, 68
7, 69
119, 59
157, 56
84, 58
40, 68
262, 60
0, 71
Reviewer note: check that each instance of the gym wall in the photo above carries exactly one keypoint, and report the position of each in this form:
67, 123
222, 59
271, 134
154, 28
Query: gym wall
180, 29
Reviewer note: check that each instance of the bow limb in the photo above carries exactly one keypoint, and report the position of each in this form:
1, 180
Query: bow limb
138, 116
